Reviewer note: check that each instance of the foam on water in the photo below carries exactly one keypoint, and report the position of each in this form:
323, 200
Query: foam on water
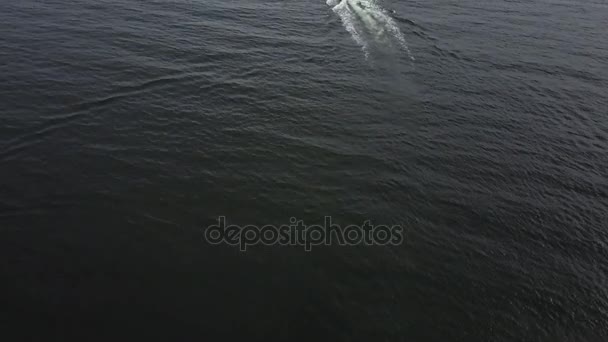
348, 20
369, 24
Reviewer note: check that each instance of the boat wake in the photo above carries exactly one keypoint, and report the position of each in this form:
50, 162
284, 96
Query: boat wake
369, 25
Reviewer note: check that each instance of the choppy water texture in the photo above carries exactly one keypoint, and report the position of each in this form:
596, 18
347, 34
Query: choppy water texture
481, 126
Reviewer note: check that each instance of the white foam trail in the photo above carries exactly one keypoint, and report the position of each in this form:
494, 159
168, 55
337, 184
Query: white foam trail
368, 20
393, 28
365, 18
341, 8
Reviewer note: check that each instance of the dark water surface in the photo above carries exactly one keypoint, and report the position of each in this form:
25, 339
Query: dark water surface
126, 127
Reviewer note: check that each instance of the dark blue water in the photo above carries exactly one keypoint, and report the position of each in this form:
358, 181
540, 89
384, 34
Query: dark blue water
481, 127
